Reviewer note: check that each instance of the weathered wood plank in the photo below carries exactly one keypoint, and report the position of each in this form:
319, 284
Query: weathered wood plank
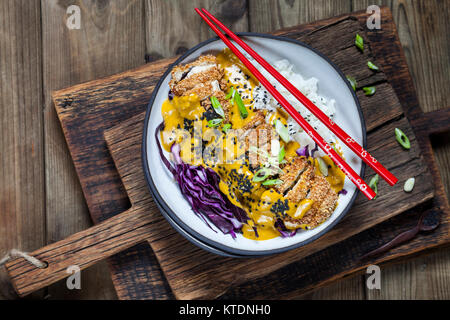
426, 50
22, 213
176, 254
176, 259
90, 91
266, 16
269, 15
111, 39
104, 191
314, 271
169, 24
69, 107
423, 31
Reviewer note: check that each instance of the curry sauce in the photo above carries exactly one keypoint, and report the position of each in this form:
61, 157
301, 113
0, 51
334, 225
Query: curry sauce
187, 122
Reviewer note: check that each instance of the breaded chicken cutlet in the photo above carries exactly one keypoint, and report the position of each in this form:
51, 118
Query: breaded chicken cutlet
203, 77
320, 192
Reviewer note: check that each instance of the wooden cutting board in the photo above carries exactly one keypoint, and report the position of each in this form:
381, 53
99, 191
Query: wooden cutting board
89, 110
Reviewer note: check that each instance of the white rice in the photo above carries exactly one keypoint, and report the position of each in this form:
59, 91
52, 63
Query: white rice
309, 87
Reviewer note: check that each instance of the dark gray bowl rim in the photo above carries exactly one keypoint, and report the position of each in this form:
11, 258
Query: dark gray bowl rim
172, 217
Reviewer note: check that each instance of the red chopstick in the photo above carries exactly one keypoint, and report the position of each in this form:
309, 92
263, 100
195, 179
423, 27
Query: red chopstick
348, 171
341, 134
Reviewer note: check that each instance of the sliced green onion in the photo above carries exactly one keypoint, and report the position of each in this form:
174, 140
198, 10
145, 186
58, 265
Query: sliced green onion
242, 110
372, 66
230, 93
272, 182
217, 106
368, 91
281, 154
323, 167
226, 127
402, 139
373, 184
333, 145
214, 122
282, 130
352, 82
359, 42
261, 175
409, 185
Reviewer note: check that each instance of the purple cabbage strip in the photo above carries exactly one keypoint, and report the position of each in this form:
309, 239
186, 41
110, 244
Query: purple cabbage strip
316, 148
303, 151
285, 233
200, 187
343, 191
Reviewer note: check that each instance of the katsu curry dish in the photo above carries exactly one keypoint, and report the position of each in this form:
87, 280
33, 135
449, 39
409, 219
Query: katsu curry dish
244, 165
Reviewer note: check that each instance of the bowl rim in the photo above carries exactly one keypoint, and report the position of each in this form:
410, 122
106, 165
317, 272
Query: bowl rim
172, 216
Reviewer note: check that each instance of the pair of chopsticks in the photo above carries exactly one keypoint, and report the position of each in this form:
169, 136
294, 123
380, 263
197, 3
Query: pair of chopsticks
341, 134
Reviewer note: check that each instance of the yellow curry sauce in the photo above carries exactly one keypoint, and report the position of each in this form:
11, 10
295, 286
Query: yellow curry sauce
262, 203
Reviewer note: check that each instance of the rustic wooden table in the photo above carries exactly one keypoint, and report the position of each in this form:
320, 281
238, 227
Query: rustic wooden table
40, 198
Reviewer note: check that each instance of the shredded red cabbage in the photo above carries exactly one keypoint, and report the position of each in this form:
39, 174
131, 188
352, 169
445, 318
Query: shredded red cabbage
285, 233
316, 148
343, 191
303, 151
200, 187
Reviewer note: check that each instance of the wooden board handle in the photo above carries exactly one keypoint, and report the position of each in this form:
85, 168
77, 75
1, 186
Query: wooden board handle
81, 249
435, 121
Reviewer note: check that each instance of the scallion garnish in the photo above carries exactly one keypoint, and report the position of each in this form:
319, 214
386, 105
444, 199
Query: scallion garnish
230, 93
359, 42
372, 66
217, 106
272, 182
226, 127
373, 184
214, 122
409, 185
402, 139
333, 145
281, 154
282, 130
352, 82
242, 110
323, 167
368, 91
261, 175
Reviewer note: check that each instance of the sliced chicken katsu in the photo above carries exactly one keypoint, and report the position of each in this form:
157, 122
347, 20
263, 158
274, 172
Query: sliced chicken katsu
258, 118
324, 201
291, 173
301, 188
261, 137
249, 135
203, 77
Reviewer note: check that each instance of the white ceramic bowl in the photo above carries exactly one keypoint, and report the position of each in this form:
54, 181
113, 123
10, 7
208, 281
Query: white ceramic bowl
309, 63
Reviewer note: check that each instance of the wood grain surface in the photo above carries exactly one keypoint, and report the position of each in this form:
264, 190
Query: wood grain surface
196, 280
22, 205
422, 27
